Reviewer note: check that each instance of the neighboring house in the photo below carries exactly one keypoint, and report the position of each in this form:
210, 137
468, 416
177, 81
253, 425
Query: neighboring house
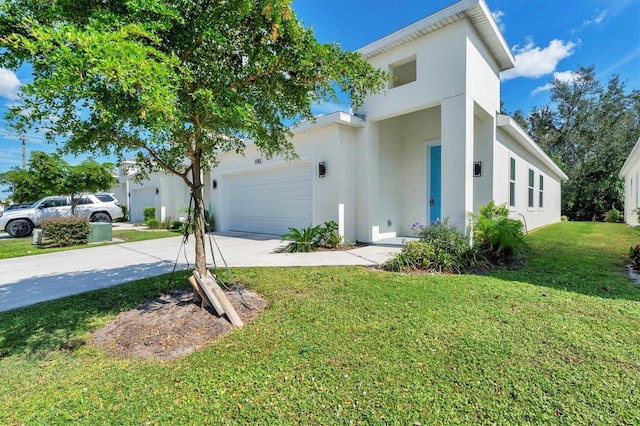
432, 146
166, 192
630, 172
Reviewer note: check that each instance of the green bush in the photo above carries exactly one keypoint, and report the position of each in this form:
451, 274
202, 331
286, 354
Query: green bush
415, 255
499, 236
66, 231
613, 216
564, 218
304, 240
312, 237
149, 213
153, 223
449, 247
125, 215
634, 254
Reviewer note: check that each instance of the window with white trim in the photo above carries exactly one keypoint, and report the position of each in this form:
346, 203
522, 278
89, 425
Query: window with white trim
512, 182
541, 192
532, 177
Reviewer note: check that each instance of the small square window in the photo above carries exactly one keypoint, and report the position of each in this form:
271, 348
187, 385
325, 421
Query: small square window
403, 72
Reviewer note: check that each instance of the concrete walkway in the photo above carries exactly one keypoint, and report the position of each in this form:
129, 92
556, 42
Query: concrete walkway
29, 280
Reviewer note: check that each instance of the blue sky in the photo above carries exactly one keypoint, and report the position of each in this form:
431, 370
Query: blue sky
549, 39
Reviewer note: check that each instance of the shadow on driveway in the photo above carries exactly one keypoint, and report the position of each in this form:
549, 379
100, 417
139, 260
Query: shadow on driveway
39, 289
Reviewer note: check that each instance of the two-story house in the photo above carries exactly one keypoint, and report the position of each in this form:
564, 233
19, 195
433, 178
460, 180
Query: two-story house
434, 145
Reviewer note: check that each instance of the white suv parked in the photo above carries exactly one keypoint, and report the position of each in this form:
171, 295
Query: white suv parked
96, 207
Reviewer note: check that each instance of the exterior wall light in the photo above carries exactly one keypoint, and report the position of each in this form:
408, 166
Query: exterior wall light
322, 169
477, 169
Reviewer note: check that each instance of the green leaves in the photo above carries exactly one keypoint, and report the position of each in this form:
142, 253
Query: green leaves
589, 129
178, 82
49, 174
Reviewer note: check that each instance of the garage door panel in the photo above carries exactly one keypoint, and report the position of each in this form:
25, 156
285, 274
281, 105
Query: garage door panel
271, 201
141, 198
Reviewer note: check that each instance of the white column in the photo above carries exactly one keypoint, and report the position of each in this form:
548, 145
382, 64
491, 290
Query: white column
367, 179
457, 158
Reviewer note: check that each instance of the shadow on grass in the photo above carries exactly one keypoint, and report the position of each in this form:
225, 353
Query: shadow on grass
64, 323
589, 270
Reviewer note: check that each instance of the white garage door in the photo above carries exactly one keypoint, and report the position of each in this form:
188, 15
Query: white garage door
141, 198
271, 201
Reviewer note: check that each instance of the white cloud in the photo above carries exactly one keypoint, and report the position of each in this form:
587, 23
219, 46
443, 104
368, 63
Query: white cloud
9, 84
534, 62
497, 16
563, 76
320, 109
597, 20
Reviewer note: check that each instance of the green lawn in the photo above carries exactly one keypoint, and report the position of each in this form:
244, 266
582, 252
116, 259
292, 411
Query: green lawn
17, 247
557, 342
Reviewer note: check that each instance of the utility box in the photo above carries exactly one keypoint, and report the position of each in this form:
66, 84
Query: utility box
100, 232
37, 237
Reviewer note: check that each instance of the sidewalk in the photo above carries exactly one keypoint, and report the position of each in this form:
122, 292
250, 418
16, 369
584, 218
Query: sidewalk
29, 280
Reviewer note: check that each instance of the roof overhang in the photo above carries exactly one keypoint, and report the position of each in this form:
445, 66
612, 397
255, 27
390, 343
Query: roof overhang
475, 11
631, 159
339, 117
513, 129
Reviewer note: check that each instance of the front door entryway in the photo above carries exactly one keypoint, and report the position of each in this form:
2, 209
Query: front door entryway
435, 182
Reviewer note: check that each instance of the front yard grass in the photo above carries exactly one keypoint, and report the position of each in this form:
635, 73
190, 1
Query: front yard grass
18, 247
554, 342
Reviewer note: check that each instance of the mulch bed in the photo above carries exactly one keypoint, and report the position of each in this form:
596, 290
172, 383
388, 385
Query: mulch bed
171, 326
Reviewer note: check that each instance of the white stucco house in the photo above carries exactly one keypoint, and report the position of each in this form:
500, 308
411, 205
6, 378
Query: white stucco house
630, 172
166, 192
432, 146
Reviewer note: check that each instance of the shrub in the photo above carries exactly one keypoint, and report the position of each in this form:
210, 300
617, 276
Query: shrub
634, 254
153, 223
442, 248
125, 214
613, 216
149, 213
415, 255
449, 246
311, 238
564, 218
499, 236
66, 231
304, 240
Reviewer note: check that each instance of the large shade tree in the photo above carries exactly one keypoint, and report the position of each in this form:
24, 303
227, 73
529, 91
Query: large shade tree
177, 81
589, 129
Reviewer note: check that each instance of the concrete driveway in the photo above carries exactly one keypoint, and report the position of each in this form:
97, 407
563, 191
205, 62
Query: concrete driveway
33, 279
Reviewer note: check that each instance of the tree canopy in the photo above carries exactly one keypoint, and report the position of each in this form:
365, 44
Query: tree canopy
48, 174
589, 130
176, 81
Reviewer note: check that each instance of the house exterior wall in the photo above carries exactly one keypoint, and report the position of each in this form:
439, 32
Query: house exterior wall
535, 216
333, 195
167, 193
630, 172
440, 73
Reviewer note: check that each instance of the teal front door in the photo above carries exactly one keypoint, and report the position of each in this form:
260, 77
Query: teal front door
435, 182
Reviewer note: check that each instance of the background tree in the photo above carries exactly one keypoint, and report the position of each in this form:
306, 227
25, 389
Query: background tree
48, 174
177, 81
589, 130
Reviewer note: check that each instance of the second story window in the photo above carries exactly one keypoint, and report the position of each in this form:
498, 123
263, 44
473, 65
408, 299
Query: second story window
403, 72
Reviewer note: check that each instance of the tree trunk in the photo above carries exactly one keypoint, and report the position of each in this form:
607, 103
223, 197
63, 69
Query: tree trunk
199, 219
